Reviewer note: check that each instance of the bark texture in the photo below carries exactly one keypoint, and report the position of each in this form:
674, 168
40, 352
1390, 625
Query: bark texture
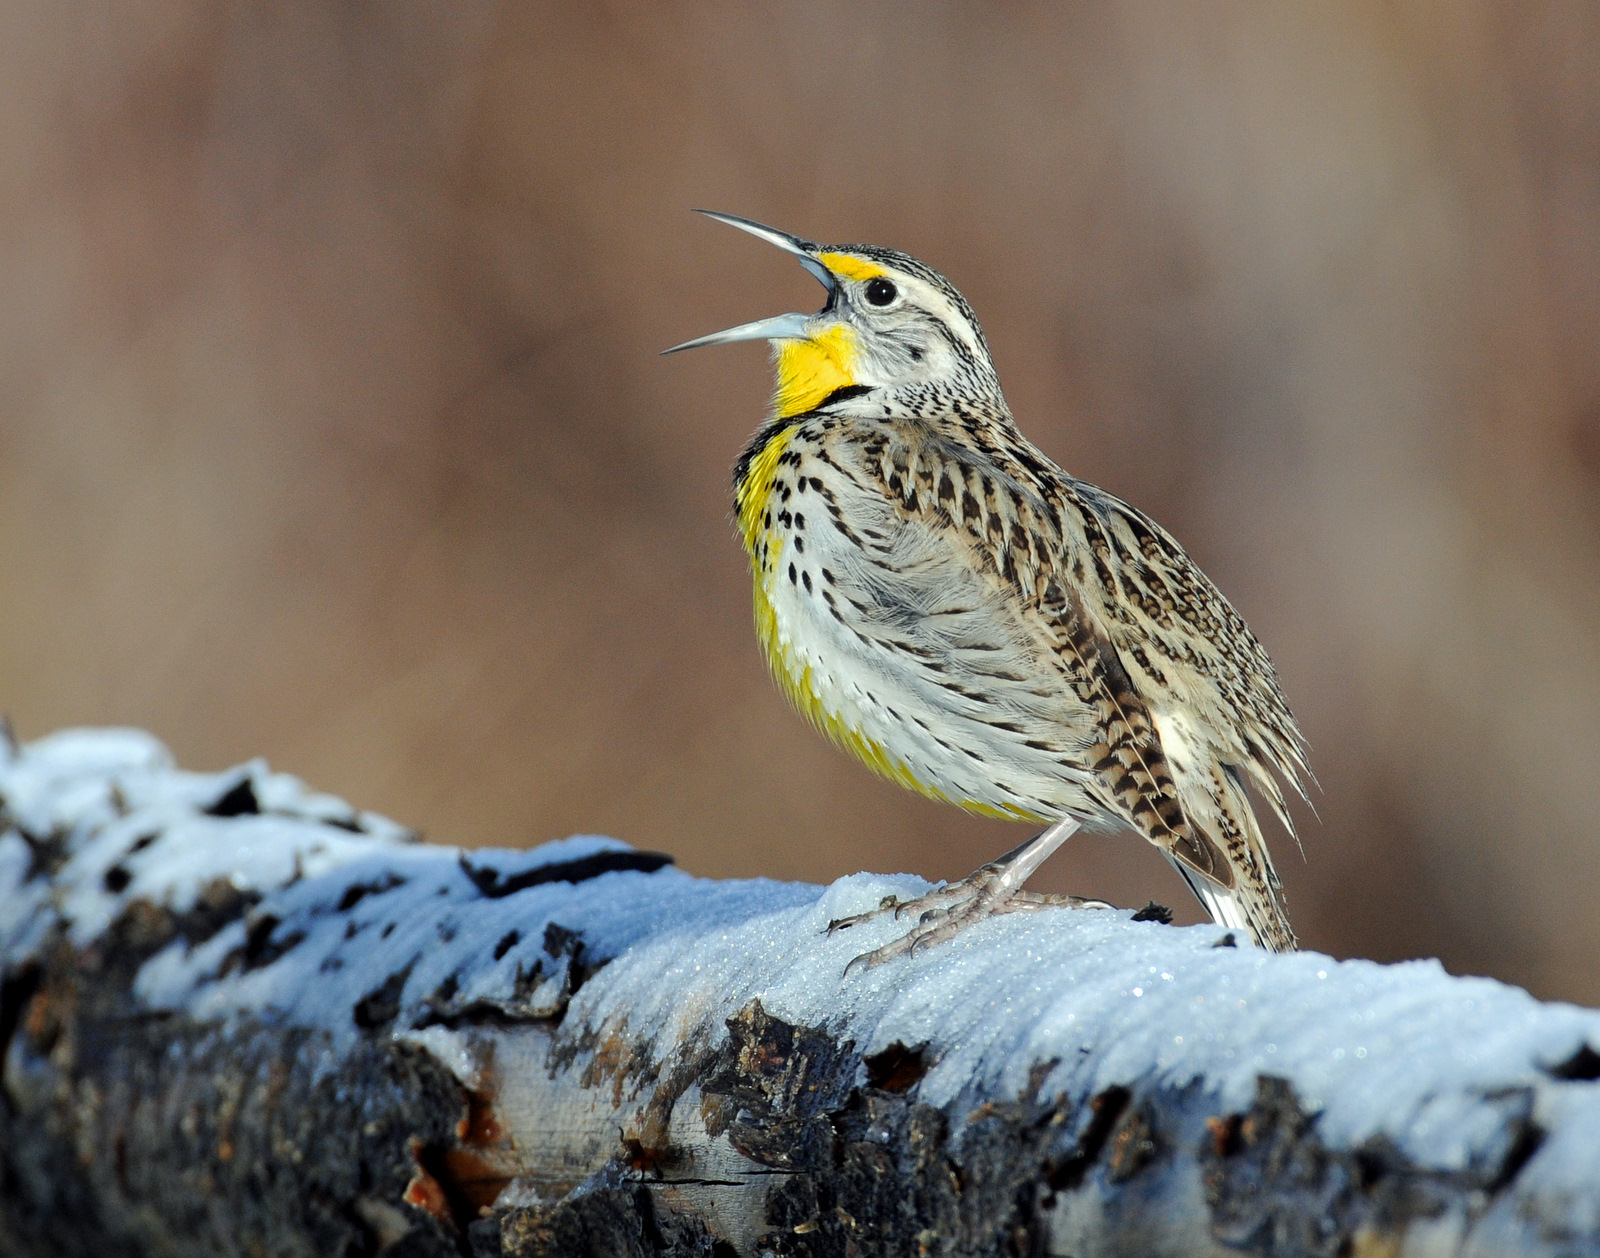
455, 1125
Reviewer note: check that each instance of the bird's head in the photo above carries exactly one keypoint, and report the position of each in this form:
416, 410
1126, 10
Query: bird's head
893, 332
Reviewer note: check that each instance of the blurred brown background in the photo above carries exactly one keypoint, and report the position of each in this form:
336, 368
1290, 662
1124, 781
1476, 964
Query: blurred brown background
333, 428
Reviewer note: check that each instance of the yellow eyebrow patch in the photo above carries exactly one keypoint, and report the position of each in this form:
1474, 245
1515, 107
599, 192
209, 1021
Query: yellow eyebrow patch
849, 267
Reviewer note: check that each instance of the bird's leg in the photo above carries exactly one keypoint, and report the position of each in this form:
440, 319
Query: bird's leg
992, 888
1003, 874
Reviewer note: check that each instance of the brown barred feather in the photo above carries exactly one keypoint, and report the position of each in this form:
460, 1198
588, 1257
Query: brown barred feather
950, 605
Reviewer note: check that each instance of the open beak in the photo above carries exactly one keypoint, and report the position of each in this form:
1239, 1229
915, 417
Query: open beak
784, 327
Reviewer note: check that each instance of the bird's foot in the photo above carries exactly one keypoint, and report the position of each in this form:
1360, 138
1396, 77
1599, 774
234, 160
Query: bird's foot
936, 899
948, 910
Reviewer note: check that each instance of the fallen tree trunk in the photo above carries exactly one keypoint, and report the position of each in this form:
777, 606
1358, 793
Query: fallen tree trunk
237, 1017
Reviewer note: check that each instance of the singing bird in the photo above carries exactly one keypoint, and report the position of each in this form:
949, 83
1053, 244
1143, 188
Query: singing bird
940, 598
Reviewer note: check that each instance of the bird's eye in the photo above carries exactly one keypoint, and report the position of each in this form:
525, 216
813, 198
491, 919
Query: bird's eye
880, 292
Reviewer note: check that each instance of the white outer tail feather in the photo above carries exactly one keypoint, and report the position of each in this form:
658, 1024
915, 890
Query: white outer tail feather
1255, 903
1223, 905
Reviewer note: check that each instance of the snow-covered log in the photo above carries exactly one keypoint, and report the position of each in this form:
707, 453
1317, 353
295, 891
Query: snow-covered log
239, 1017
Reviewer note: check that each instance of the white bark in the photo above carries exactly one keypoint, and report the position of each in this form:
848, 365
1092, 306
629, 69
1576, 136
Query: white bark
238, 1017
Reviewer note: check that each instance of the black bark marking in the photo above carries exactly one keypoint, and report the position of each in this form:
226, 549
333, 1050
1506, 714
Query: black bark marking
218, 904
1105, 1109
260, 948
359, 891
567, 962
1134, 1145
381, 1006
897, 1068
494, 886
1582, 1067
239, 800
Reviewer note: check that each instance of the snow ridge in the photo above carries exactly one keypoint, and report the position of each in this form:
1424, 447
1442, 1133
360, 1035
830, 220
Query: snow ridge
94, 819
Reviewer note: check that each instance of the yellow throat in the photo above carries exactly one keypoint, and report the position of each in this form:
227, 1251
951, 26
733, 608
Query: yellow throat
809, 370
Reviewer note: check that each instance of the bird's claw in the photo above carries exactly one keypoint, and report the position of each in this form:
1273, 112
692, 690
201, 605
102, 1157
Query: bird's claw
949, 910
884, 905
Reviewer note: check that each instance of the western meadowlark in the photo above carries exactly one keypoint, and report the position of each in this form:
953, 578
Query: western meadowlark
940, 598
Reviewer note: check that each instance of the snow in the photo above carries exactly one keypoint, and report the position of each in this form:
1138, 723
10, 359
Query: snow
348, 899
108, 794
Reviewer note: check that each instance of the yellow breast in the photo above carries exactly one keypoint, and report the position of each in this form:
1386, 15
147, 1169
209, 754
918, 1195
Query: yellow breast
765, 545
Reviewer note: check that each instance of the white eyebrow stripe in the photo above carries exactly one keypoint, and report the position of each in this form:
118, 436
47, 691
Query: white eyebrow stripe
947, 313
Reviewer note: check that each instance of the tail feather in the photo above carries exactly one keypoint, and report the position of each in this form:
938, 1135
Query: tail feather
1255, 902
